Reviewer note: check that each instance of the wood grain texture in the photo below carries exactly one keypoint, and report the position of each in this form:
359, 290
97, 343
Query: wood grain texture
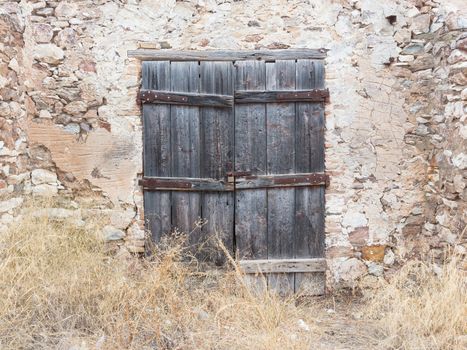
156, 150
280, 131
185, 149
226, 55
250, 155
217, 140
309, 202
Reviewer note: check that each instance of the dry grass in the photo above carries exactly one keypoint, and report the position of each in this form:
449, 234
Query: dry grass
423, 307
60, 287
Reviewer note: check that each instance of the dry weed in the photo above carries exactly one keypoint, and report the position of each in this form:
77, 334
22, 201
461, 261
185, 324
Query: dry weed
423, 307
59, 287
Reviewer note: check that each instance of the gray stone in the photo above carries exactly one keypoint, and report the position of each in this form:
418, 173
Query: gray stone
13, 65
45, 190
457, 56
10, 204
351, 269
436, 26
66, 9
422, 62
76, 107
45, 114
421, 24
403, 36
375, 269
46, 11
389, 257
66, 38
72, 128
42, 32
454, 21
406, 58
43, 176
464, 94
4, 109
48, 53
463, 131
354, 219
111, 233
460, 161
413, 49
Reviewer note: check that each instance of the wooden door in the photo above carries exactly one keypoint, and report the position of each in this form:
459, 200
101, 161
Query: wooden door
240, 145
188, 149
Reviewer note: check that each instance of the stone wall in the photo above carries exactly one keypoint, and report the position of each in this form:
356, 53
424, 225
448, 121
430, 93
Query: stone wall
395, 129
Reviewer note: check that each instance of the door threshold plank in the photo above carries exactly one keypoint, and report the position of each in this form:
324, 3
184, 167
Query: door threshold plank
283, 265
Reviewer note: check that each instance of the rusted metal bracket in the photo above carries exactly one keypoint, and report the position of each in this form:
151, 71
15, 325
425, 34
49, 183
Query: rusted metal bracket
251, 96
245, 180
241, 180
184, 98
315, 94
184, 184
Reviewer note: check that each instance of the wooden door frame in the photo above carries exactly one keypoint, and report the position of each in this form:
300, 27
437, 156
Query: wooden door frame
249, 266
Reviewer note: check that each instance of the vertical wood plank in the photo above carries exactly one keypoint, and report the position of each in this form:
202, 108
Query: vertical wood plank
185, 148
156, 151
217, 132
250, 155
309, 202
280, 130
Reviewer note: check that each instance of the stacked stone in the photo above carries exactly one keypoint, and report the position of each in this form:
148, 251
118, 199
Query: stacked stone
433, 67
14, 174
61, 60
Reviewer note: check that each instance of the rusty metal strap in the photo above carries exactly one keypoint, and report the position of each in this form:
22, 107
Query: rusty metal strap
184, 184
283, 180
184, 98
314, 95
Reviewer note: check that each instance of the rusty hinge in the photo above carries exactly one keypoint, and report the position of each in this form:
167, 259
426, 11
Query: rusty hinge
153, 95
231, 175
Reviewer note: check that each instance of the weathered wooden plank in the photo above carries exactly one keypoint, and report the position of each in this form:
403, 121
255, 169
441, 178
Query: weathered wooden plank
185, 184
281, 180
250, 155
185, 149
280, 130
282, 265
217, 139
156, 150
183, 98
314, 95
309, 202
226, 55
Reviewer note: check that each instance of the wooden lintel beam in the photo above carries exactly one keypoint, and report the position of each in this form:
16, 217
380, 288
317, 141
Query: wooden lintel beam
314, 95
182, 98
226, 55
283, 265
